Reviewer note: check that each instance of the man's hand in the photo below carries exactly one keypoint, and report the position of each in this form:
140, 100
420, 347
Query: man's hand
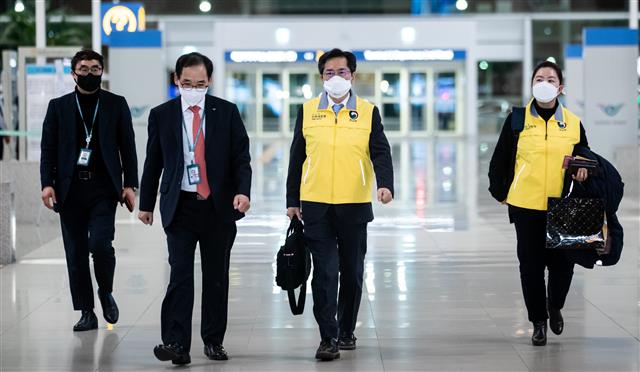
581, 175
384, 195
146, 217
129, 196
49, 197
294, 211
241, 203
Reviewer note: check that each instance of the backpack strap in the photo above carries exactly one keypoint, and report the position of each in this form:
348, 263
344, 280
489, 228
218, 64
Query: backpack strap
297, 307
517, 119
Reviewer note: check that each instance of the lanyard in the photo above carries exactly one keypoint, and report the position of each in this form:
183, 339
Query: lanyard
192, 147
84, 124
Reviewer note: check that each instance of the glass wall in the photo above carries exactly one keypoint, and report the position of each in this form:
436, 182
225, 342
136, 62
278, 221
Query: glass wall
499, 89
418, 100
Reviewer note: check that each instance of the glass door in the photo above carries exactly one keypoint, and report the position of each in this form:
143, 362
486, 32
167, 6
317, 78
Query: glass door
241, 90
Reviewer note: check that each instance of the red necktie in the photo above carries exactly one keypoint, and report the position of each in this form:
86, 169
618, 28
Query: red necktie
203, 186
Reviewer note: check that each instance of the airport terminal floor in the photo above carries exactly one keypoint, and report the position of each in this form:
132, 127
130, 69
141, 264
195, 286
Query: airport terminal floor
442, 288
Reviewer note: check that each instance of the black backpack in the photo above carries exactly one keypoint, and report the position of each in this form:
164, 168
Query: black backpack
294, 265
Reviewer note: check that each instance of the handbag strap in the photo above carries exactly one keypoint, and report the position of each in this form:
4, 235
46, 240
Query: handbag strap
297, 307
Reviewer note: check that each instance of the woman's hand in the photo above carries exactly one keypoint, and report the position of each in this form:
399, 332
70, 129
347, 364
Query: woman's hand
581, 175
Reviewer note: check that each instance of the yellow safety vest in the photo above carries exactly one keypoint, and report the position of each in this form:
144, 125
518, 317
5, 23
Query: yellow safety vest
338, 167
541, 150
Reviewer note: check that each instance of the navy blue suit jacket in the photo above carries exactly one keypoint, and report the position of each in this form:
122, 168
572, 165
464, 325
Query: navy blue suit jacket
226, 154
58, 157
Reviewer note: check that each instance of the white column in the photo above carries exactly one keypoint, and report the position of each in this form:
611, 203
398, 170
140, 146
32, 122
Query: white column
527, 63
96, 27
633, 14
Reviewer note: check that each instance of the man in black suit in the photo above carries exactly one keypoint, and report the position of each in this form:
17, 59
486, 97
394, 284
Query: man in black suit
338, 142
87, 147
200, 146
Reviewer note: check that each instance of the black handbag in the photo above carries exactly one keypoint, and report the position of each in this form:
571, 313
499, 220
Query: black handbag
294, 265
576, 223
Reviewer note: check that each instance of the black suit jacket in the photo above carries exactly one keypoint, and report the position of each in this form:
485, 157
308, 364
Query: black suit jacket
59, 155
226, 154
353, 213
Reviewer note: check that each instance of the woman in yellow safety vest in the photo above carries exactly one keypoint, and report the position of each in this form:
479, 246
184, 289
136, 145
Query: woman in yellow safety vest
525, 170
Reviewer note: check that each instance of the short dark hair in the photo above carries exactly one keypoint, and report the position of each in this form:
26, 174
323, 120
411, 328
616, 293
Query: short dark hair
548, 64
337, 53
194, 59
86, 55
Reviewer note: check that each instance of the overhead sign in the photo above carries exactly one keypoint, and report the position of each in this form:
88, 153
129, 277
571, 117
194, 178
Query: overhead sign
369, 55
122, 18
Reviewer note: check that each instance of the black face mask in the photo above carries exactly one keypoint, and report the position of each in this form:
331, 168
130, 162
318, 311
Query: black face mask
89, 82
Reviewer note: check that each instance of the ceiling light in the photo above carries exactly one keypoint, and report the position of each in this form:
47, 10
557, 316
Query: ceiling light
408, 35
205, 6
462, 5
19, 7
282, 35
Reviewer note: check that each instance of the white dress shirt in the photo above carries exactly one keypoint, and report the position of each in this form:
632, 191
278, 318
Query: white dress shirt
343, 102
188, 124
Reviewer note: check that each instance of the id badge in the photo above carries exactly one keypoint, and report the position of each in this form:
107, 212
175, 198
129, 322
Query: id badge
193, 172
84, 157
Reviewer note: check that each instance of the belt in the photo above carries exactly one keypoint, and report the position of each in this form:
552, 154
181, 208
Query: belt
86, 175
191, 196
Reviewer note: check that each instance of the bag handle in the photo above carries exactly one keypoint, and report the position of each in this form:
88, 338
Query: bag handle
297, 307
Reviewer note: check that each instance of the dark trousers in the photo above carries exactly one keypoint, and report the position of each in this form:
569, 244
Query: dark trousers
338, 249
87, 219
534, 258
196, 221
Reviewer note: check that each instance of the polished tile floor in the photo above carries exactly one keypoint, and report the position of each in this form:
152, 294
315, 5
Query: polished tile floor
442, 288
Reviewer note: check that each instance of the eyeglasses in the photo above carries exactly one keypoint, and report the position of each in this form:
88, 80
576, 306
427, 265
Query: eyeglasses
95, 70
342, 72
198, 87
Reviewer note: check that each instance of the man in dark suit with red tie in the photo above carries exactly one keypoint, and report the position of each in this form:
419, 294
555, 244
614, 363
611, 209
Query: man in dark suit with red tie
198, 143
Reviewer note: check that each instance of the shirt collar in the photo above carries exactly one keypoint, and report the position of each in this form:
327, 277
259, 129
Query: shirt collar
558, 115
325, 100
185, 105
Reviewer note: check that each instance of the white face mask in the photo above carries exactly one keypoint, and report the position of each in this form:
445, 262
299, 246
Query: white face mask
337, 86
192, 96
544, 92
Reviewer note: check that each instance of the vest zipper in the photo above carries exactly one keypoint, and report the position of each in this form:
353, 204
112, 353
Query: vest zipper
306, 174
364, 183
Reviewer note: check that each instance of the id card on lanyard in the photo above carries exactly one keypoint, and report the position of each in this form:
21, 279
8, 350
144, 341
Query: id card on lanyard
85, 153
193, 169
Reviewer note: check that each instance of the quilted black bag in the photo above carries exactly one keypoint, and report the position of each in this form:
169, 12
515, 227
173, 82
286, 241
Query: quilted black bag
294, 266
576, 223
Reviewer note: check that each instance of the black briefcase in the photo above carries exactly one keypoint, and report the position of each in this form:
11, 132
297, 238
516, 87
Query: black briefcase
294, 266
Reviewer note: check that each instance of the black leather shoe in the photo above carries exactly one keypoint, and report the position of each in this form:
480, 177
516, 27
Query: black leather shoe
556, 322
215, 352
109, 307
347, 342
539, 337
87, 322
328, 350
173, 352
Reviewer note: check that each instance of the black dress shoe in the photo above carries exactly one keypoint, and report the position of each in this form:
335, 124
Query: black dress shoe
539, 337
173, 352
87, 322
109, 307
347, 342
328, 350
215, 352
556, 322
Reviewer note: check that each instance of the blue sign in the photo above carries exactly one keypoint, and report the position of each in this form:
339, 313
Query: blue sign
122, 18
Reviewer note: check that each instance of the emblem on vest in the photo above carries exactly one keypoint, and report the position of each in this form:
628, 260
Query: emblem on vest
318, 116
528, 126
353, 115
562, 125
